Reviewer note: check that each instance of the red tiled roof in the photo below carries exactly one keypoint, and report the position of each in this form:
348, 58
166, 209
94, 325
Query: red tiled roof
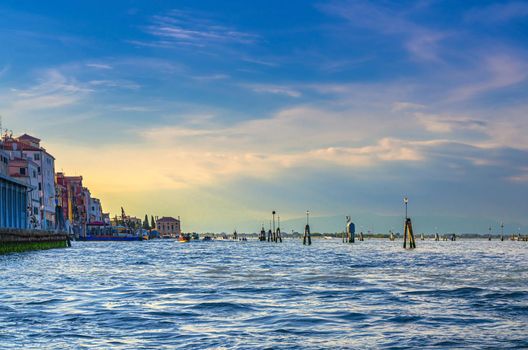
167, 219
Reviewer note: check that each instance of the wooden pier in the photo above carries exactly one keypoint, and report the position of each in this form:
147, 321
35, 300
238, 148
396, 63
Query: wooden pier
16, 240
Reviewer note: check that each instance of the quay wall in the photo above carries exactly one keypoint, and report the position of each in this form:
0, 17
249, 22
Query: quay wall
17, 240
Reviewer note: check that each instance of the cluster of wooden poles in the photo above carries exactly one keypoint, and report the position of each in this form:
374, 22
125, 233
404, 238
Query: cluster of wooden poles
409, 241
274, 235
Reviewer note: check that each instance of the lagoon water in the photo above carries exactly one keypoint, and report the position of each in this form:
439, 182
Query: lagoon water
253, 295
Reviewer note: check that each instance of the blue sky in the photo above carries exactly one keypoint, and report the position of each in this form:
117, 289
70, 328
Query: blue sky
223, 111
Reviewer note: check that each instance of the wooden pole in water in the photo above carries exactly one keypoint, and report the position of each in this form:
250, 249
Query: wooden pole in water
350, 231
279, 234
409, 235
408, 230
262, 236
344, 235
269, 233
274, 237
307, 240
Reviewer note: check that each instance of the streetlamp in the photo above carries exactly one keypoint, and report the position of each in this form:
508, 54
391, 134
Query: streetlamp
307, 217
406, 201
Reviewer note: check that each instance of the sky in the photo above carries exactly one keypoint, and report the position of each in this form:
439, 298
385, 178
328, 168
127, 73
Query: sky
220, 112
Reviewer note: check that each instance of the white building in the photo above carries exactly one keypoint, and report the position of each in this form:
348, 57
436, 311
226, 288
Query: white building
28, 147
26, 171
96, 211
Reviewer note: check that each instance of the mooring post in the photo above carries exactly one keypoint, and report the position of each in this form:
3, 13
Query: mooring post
409, 235
274, 234
279, 235
344, 235
437, 237
262, 236
307, 240
270, 233
361, 238
350, 231
391, 236
408, 230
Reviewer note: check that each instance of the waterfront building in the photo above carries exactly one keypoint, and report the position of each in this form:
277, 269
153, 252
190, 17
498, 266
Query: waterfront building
106, 218
87, 201
26, 170
72, 199
13, 203
95, 211
4, 160
28, 147
168, 227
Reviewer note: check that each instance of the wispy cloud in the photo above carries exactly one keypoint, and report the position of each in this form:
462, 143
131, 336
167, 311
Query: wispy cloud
420, 41
53, 90
211, 77
449, 123
139, 109
498, 12
260, 61
98, 66
497, 71
4, 69
406, 106
120, 84
185, 28
274, 89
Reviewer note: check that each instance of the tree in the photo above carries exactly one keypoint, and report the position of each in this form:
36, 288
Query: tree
146, 223
152, 222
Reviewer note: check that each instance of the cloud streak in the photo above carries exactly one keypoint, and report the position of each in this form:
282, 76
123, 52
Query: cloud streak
421, 42
185, 28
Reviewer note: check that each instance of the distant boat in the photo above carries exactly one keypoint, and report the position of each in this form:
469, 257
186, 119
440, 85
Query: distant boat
327, 237
223, 237
184, 238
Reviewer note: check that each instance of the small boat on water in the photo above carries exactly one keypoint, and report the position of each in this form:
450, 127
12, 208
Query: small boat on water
183, 238
207, 239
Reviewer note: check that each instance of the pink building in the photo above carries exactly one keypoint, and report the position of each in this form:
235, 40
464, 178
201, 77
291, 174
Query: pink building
29, 148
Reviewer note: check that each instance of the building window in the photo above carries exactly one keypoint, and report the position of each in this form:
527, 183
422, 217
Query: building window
22, 171
38, 170
36, 156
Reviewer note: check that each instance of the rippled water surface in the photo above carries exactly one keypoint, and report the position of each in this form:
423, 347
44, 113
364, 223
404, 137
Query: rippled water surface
253, 295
